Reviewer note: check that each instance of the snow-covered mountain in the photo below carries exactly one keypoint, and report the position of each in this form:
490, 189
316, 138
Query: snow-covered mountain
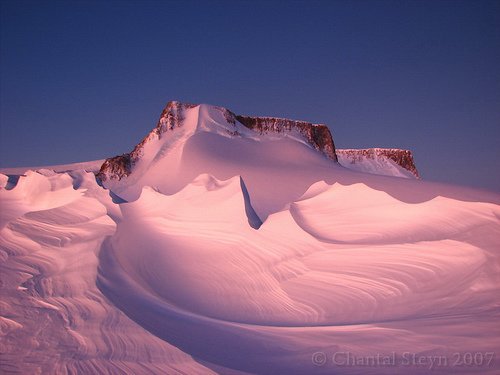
246, 245
179, 121
189, 140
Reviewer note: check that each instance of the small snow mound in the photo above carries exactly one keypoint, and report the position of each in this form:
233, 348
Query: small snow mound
210, 182
4, 179
46, 172
315, 189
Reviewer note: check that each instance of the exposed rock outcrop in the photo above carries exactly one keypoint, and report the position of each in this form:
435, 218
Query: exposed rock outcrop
118, 167
317, 135
121, 166
403, 158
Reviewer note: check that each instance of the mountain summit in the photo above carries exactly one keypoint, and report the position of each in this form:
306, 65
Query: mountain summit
179, 121
190, 139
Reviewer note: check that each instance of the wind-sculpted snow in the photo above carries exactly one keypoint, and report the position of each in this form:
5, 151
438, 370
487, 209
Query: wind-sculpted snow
194, 282
375, 217
218, 249
53, 319
191, 270
36, 192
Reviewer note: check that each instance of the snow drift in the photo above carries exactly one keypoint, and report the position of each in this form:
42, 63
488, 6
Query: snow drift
222, 244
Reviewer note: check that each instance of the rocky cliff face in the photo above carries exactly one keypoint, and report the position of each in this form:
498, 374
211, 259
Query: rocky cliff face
121, 166
317, 135
403, 158
172, 117
116, 167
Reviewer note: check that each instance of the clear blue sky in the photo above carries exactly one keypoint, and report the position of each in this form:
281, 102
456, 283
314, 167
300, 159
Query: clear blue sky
84, 80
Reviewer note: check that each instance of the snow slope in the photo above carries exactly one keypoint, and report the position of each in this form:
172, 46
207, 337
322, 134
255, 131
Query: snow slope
248, 254
88, 166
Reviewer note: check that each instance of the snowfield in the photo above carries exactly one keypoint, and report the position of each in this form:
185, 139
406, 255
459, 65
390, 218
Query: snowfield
245, 254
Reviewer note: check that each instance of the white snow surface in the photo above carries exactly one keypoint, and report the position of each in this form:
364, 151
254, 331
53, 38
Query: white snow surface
88, 166
246, 255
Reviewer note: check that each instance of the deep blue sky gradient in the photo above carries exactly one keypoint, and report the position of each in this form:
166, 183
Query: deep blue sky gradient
87, 80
